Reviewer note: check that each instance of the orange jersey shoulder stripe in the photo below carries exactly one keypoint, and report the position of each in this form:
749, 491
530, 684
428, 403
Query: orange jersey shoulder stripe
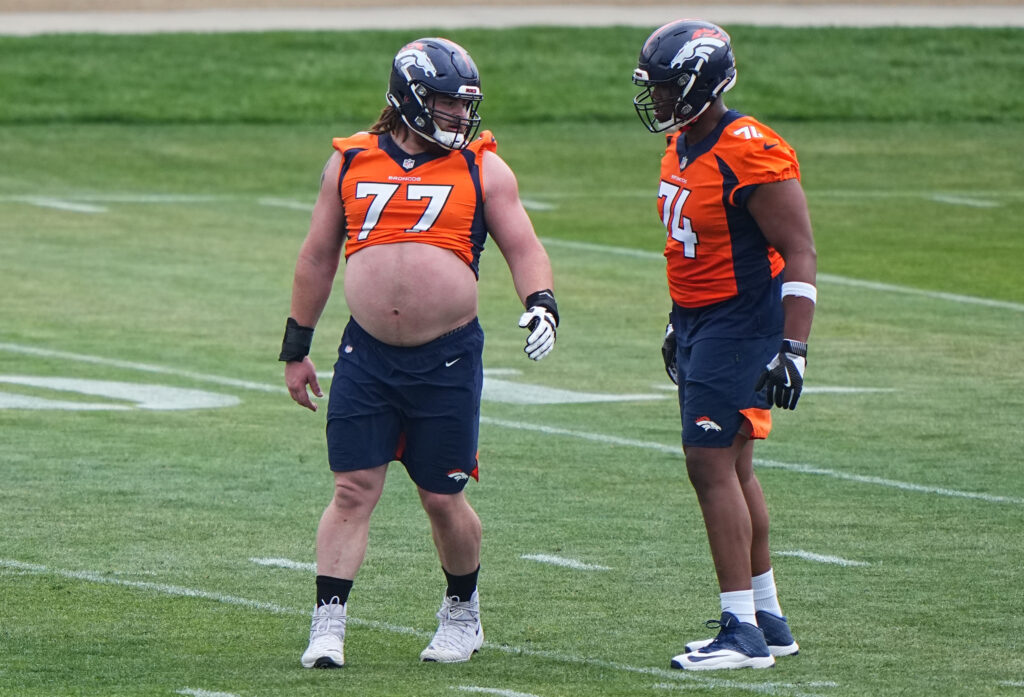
391, 197
714, 248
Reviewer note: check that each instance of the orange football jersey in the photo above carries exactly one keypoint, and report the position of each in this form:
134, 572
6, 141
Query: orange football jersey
715, 248
432, 198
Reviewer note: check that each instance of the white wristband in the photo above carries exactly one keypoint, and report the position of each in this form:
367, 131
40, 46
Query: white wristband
800, 290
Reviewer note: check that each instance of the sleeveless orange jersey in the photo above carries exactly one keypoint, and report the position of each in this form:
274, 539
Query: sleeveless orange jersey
391, 197
715, 249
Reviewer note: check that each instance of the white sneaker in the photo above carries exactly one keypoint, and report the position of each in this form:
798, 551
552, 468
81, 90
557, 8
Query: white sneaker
459, 634
326, 638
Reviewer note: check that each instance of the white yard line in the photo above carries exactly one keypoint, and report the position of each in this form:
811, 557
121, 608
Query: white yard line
491, 691
167, 589
562, 561
823, 558
285, 564
193, 692
63, 205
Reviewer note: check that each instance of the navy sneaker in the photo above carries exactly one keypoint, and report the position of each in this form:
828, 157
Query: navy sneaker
738, 645
776, 634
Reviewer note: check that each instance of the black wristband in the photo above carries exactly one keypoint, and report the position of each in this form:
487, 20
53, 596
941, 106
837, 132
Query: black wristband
797, 348
297, 340
543, 298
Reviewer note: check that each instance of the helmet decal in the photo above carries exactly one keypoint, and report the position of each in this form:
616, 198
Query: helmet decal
426, 73
412, 56
696, 48
684, 66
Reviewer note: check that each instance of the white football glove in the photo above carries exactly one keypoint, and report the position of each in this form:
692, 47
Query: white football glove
541, 324
784, 375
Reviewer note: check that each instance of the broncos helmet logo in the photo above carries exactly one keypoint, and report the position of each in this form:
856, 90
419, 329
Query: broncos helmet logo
701, 48
414, 57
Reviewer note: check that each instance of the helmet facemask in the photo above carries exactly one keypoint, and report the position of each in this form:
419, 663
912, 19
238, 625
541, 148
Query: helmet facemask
685, 66
438, 123
427, 77
676, 104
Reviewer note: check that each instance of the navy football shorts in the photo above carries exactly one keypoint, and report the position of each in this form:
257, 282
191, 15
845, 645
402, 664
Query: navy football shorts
419, 405
721, 351
716, 383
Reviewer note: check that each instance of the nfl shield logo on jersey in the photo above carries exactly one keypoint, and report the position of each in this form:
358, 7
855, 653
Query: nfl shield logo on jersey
409, 163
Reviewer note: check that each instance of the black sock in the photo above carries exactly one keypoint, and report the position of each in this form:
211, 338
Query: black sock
328, 588
461, 587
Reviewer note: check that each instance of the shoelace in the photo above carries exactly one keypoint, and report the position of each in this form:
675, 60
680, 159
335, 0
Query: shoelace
714, 645
323, 619
458, 625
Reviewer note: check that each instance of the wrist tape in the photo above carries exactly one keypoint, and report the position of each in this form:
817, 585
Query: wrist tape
297, 340
546, 299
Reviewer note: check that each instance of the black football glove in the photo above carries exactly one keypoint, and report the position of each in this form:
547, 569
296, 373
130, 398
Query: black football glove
784, 375
668, 354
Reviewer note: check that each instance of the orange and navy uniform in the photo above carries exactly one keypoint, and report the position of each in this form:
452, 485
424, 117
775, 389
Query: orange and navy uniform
432, 198
715, 249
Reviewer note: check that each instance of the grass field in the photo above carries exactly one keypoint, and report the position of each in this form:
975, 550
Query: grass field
160, 491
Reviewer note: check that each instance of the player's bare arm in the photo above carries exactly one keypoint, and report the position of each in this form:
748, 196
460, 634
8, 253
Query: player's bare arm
513, 232
315, 270
780, 209
511, 229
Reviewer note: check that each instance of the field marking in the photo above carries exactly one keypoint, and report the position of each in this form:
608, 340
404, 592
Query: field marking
289, 203
167, 589
540, 428
1012, 683
562, 561
143, 367
192, 692
823, 558
62, 205
822, 277
142, 396
285, 564
491, 691
964, 201
773, 464
163, 588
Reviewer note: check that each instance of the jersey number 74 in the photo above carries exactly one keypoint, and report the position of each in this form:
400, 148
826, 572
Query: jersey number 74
677, 225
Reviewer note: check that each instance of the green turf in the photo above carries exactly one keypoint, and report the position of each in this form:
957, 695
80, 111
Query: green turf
115, 523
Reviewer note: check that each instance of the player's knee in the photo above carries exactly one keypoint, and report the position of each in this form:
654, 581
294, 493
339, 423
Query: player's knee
442, 506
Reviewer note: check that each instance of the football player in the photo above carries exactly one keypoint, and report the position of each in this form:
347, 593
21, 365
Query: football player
410, 203
741, 271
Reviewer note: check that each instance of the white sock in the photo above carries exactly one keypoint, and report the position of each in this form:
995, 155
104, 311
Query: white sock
766, 597
741, 604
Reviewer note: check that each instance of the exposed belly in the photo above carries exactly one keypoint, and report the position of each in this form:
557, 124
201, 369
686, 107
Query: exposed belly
409, 293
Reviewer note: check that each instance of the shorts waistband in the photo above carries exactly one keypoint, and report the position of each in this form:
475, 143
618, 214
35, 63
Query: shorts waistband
439, 341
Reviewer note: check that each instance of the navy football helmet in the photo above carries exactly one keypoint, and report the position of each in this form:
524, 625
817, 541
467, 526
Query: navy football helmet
684, 66
426, 69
